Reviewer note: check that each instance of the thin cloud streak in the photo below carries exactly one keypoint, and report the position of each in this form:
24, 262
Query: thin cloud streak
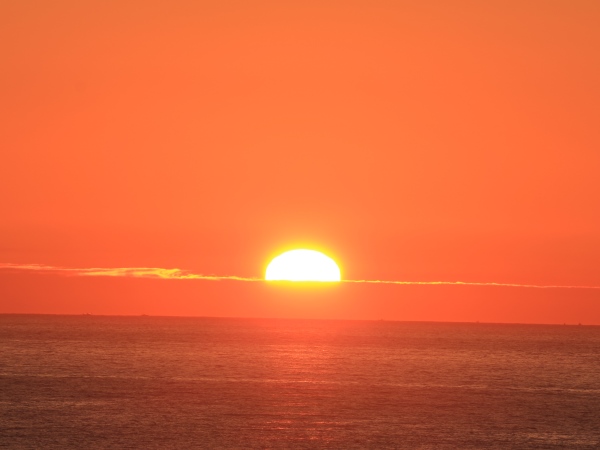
179, 274
470, 283
131, 272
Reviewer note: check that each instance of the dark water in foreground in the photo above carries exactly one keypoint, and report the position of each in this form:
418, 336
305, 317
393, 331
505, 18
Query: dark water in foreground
151, 382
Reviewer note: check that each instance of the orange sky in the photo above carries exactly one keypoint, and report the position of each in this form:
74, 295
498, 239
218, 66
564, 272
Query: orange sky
421, 140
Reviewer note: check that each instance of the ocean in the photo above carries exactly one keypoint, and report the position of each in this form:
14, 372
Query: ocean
100, 382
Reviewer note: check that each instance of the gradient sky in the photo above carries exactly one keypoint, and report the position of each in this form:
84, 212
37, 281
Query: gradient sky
410, 140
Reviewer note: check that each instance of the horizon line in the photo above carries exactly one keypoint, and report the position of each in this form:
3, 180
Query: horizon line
476, 322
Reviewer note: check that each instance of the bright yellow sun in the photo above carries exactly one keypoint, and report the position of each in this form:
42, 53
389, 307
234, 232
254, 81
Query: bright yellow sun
302, 265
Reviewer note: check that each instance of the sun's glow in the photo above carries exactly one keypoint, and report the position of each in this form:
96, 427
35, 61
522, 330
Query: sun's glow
302, 265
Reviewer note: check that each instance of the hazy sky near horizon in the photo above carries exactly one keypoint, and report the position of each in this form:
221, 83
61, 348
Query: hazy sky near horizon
410, 140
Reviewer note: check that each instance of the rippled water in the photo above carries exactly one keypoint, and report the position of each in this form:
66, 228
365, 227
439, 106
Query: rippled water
152, 382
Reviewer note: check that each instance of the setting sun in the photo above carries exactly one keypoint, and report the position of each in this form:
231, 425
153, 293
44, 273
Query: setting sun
302, 265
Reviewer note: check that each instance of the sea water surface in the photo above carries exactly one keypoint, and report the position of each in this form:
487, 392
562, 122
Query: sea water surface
164, 382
